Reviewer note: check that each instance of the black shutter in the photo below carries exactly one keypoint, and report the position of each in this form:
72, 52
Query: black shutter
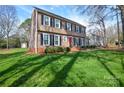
41, 39
42, 19
51, 23
84, 31
79, 29
60, 40
52, 40
75, 29
60, 24
65, 25
80, 41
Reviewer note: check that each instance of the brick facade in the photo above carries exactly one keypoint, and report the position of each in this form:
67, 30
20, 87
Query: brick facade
38, 29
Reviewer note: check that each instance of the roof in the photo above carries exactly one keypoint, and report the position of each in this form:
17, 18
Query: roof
60, 17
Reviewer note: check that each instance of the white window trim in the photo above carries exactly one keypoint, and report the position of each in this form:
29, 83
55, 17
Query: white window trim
48, 39
77, 41
78, 29
83, 30
64, 38
82, 41
58, 40
56, 23
44, 20
69, 24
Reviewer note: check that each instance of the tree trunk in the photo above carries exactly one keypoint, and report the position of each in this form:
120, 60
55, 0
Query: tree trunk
121, 7
105, 38
7, 43
118, 30
122, 17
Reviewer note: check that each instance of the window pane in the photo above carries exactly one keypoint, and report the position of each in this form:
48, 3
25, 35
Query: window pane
56, 40
46, 20
65, 38
46, 39
77, 28
69, 26
57, 23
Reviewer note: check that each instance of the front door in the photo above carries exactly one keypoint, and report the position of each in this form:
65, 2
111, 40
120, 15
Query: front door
70, 41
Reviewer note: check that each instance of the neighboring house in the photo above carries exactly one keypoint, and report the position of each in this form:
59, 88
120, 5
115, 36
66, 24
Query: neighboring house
96, 39
49, 29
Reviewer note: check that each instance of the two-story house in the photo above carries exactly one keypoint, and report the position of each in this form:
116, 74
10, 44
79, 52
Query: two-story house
49, 29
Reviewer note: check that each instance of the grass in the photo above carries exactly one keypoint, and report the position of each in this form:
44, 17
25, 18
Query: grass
91, 68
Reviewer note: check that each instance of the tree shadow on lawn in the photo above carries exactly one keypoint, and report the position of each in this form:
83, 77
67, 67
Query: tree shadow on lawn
83, 55
118, 56
62, 74
21, 80
20, 64
10, 55
102, 61
122, 62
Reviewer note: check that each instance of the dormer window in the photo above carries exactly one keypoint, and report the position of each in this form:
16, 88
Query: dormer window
57, 23
46, 20
69, 26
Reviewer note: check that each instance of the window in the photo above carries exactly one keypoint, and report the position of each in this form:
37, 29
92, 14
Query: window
69, 26
83, 30
82, 41
46, 20
65, 38
77, 29
46, 39
73, 28
56, 40
57, 23
76, 41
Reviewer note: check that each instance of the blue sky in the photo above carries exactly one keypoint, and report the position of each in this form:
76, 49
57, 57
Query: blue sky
25, 11
67, 11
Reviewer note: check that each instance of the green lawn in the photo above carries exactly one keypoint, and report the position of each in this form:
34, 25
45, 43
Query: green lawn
93, 68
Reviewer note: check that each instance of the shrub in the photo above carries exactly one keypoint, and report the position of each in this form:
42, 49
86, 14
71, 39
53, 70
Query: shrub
58, 49
93, 46
90, 46
67, 49
49, 50
53, 49
82, 46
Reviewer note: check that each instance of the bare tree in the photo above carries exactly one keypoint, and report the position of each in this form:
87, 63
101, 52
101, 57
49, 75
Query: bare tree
99, 15
8, 20
118, 28
2, 32
121, 7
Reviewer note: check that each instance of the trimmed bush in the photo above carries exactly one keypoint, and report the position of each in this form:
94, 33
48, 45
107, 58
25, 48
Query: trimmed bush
49, 50
67, 49
58, 49
54, 49
91, 46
